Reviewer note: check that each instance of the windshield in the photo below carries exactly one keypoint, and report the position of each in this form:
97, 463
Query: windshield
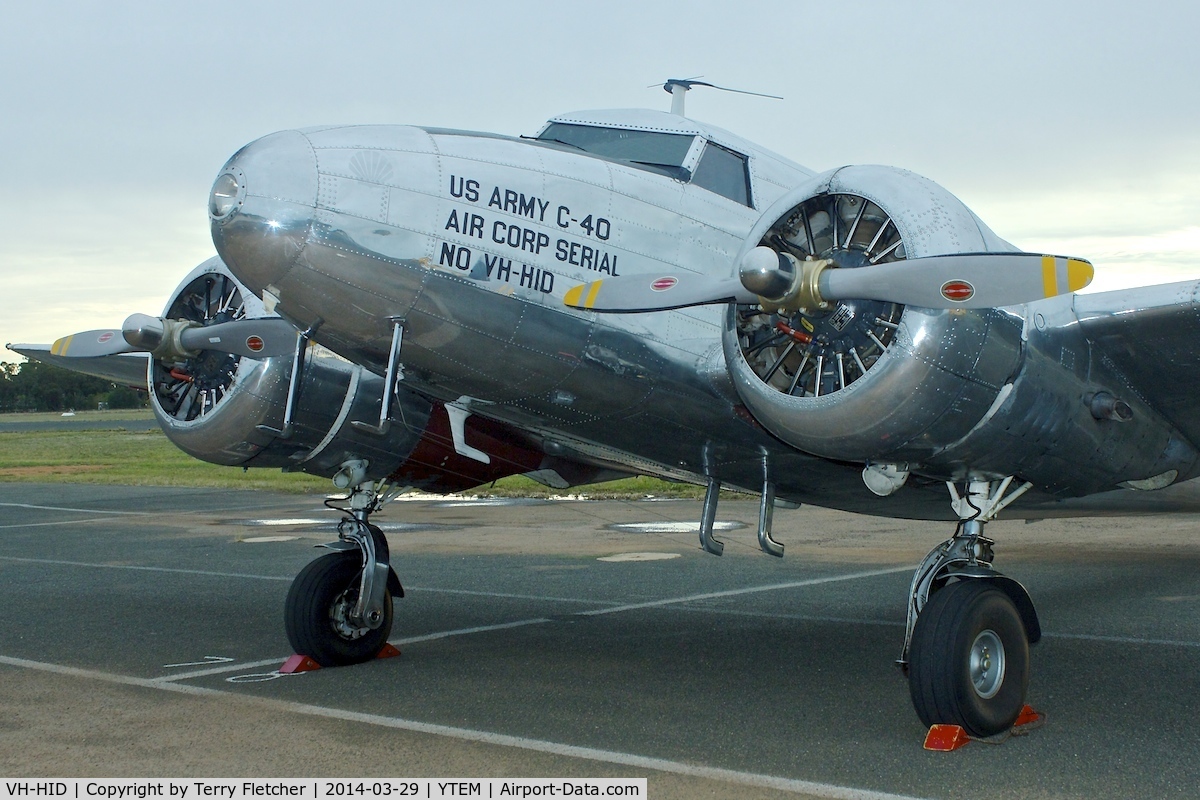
662, 152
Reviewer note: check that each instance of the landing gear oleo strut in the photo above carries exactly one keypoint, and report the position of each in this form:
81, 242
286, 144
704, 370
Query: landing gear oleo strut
966, 646
339, 609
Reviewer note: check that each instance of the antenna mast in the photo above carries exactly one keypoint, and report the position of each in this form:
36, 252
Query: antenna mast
678, 88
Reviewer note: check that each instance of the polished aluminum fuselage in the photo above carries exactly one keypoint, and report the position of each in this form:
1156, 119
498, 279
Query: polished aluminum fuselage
471, 240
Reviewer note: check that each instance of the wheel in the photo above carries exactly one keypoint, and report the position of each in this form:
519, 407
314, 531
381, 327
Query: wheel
316, 613
969, 659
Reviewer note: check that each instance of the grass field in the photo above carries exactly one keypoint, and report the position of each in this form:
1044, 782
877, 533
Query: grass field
147, 458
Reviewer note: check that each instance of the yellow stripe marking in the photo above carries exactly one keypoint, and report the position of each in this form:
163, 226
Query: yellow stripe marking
59, 348
571, 298
1079, 274
591, 295
1049, 277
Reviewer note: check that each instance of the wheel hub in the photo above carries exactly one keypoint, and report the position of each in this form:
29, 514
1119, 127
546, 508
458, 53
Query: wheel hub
987, 664
339, 616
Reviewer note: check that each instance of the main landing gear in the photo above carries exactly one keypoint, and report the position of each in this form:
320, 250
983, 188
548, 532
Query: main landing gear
339, 609
966, 646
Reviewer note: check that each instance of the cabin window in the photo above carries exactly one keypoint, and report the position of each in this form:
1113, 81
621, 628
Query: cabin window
723, 171
649, 150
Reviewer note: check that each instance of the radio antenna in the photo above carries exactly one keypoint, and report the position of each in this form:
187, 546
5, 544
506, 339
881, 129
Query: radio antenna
678, 87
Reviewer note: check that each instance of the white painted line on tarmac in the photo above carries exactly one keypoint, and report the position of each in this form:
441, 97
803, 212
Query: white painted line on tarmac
772, 587
149, 569
78, 510
1087, 637
201, 673
735, 612
429, 637
60, 523
207, 662
825, 790
266, 662
580, 600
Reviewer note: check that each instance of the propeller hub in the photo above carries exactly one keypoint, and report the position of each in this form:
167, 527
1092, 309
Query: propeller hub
767, 273
143, 332
781, 280
158, 335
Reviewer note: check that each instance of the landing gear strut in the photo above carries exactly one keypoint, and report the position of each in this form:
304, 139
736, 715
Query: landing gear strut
966, 646
339, 609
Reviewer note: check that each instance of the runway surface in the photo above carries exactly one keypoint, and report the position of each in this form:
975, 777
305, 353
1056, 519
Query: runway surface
140, 631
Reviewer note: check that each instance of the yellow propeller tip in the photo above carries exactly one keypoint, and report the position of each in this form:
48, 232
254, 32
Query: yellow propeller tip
1079, 274
573, 296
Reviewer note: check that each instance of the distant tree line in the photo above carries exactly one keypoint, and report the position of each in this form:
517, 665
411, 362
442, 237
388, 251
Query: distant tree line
34, 386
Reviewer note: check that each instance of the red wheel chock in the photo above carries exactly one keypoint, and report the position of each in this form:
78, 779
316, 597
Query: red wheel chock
300, 663
946, 738
1027, 717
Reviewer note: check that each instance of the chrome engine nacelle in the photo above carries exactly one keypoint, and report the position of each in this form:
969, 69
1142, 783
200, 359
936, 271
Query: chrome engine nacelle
226, 409
869, 380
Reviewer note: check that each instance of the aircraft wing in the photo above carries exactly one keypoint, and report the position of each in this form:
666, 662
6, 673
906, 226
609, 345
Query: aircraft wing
1152, 336
129, 369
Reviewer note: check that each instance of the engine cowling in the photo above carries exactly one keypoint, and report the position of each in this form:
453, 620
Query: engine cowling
222, 408
866, 380
228, 410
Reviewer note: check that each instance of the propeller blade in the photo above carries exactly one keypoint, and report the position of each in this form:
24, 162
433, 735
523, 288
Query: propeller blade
91, 344
960, 280
254, 338
966, 280
166, 338
124, 368
634, 293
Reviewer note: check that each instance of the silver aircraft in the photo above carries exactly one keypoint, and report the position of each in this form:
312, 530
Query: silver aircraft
635, 292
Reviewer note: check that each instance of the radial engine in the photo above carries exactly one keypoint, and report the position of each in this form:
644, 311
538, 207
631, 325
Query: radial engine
864, 380
229, 409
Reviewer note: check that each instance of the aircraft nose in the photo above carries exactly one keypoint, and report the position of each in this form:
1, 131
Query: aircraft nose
261, 207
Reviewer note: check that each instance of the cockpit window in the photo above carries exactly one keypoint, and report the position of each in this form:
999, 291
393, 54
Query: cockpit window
723, 171
657, 152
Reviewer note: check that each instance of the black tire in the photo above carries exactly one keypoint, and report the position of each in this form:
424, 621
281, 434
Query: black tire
315, 613
983, 697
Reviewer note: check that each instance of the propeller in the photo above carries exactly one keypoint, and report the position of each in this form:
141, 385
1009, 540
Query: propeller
781, 281
177, 339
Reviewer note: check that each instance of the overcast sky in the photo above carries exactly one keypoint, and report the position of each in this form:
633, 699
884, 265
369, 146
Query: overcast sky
1069, 127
